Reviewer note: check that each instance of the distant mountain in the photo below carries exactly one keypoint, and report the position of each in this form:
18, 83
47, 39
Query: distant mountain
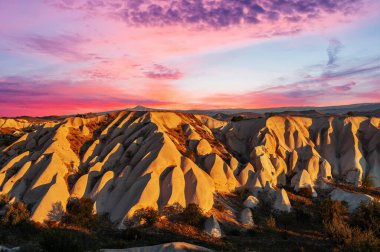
228, 113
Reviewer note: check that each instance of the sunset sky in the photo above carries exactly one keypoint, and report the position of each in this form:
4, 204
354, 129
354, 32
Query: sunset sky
74, 56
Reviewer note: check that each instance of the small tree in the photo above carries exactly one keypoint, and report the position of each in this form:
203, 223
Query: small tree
80, 212
57, 213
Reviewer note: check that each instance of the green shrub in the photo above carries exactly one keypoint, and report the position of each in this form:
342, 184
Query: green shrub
80, 212
192, 215
237, 118
285, 219
148, 216
61, 240
302, 214
16, 213
330, 210
234, 232
131, 234
265, 205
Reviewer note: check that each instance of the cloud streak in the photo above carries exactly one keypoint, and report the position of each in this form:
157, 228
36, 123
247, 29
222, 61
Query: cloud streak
64, 46
334, 48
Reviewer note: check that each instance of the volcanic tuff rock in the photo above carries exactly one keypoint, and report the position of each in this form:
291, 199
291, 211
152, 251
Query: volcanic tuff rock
129, 160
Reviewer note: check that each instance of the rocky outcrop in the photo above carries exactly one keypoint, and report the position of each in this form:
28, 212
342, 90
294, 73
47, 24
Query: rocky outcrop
212, 227
246, 217
282, 202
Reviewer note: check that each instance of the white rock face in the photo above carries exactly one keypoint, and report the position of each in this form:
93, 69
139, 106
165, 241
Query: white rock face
5, 249
352, 199
246, 217
167, 247
251, 202
212, 227
282, 202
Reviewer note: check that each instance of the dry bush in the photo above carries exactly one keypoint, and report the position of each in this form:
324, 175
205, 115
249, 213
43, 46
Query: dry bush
148, 216
172, 210
219, 206
16, 213
351, 238
306, 192
360, 236
270, 222
338, 230
192, 215
298, 199
4, 199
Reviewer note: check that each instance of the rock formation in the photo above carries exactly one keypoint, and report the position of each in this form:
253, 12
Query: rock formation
129, 160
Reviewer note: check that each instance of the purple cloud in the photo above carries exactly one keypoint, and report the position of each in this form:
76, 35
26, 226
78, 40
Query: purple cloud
345, 87
163, 73
211, 13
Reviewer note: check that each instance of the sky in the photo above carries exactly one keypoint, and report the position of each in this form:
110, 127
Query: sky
77, 56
